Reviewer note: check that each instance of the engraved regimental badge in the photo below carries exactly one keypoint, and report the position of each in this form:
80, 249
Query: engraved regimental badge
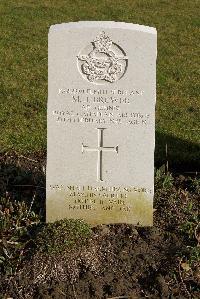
102, 61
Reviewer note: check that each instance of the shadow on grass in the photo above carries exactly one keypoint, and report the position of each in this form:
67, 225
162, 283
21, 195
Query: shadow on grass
182, 156
23, 179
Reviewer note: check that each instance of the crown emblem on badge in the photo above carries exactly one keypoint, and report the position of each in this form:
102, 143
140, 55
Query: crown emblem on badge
102, 43
106, 62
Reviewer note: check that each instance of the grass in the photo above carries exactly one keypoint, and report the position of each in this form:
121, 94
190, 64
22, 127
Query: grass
62, 235
23, 62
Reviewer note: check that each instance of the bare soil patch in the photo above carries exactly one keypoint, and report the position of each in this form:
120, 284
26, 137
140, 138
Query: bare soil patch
108, 261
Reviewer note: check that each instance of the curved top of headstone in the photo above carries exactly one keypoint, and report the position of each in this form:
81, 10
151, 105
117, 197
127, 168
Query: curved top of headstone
103, 24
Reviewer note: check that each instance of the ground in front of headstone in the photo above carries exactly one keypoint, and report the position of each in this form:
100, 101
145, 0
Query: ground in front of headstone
70, 260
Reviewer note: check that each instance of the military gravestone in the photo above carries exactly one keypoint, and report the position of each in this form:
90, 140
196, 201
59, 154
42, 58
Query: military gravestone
101, 116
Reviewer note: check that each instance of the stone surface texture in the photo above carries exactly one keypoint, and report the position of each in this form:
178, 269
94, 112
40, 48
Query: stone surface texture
101, 122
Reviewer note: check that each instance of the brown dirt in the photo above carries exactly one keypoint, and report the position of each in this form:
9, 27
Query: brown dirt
117, 261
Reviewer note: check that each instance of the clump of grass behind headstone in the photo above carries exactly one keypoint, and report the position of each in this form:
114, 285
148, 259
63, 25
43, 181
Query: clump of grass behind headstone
62, 235
163, 180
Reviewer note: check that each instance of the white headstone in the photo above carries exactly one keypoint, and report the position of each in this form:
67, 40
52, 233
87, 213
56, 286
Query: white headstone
101, 116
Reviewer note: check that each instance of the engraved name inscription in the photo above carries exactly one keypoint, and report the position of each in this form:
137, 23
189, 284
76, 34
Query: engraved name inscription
100, 107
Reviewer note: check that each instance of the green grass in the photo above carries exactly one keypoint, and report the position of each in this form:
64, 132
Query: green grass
62, 235
23, 61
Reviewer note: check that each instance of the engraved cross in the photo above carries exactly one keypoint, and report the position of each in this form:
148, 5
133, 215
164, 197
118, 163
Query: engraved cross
99, 149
